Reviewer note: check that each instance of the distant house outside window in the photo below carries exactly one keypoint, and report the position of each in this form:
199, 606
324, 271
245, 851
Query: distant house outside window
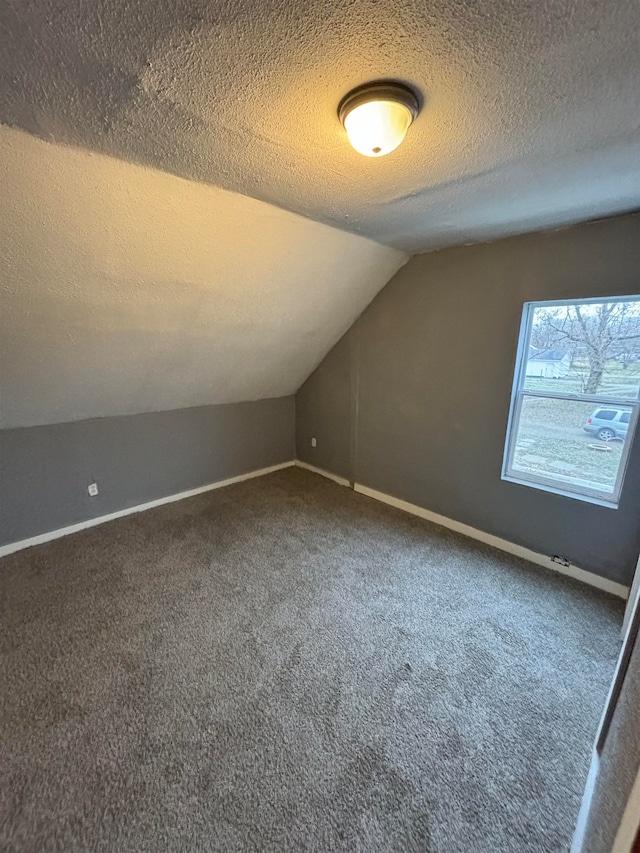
576, 397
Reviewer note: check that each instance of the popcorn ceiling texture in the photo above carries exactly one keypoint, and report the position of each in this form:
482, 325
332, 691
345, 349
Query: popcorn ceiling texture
124, 289
531, 114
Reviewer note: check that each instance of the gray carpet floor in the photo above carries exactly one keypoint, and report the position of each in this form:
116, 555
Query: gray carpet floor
285, 665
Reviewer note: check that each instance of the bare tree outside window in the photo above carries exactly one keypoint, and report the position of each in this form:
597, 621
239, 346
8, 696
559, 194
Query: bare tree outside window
576, 397
594, 335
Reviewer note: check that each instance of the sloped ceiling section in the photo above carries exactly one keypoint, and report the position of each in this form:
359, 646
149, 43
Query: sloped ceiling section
125, 289
530, 117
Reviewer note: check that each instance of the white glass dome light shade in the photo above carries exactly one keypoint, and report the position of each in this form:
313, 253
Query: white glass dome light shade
377, 116
377, 127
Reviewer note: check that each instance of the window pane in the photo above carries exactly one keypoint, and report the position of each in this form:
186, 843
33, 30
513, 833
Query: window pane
585, 349
563, 441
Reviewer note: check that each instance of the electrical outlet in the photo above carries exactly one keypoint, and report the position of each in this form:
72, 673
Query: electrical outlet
313, 442
562, 561
93, 489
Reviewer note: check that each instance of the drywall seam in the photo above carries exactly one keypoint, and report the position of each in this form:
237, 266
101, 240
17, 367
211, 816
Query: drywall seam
178, 496
589, 578
342, 481
354, 368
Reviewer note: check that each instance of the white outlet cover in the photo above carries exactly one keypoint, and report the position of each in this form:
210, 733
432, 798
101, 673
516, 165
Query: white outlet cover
93, 489
313, 442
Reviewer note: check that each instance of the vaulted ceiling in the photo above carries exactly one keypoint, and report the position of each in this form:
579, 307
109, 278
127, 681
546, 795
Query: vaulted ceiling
140, 267
125, 290
531, 114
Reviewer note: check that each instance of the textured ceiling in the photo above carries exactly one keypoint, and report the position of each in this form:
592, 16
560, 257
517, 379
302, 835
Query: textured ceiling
124, 289
531, 117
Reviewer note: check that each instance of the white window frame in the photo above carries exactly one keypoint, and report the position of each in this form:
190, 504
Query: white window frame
594, 496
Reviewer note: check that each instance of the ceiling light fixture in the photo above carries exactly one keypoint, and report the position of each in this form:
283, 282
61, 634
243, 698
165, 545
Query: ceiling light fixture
377, 116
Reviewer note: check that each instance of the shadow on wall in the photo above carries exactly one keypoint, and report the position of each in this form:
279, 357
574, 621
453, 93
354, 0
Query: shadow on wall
414, 400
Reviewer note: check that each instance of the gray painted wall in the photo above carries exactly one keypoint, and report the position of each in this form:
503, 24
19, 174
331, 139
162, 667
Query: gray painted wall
45, 470
434, 370
323, 411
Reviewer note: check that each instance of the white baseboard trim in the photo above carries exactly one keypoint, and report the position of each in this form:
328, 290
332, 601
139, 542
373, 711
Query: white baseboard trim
342, 481
518, 550
101, 519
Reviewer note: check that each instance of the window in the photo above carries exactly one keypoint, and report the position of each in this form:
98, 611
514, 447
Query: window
576, 397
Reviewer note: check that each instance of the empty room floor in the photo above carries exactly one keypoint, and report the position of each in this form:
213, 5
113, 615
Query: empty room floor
286, 665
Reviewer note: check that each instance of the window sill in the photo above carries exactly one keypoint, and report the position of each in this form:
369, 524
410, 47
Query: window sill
555, 490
